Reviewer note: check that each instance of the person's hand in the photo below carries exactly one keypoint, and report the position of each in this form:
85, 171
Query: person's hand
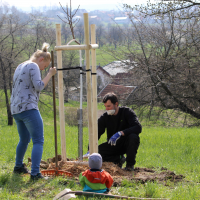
114, 138
52, 71
86, 155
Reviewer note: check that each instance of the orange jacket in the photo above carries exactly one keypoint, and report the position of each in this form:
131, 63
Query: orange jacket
102, 177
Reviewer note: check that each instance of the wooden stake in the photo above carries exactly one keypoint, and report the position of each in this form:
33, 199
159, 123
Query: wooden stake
88, 82
94, 90
54, 113
61, 95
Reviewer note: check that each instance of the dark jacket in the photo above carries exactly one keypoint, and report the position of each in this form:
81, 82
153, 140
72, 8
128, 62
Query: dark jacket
125, 120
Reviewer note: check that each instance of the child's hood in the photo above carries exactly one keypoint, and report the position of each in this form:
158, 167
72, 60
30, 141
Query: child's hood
95, 177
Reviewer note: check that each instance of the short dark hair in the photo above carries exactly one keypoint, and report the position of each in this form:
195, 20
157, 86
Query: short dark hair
110, 96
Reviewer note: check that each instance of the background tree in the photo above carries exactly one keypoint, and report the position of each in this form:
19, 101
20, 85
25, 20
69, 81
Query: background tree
39, 31
100, 34
188, 7
79, 31
65, 32
166, 49
71, 78
71, 59
114, 35
19, 39
11, 48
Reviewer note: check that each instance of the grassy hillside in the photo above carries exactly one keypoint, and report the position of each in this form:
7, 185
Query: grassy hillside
176, 149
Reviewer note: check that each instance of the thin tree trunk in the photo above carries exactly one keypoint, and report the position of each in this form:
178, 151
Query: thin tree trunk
9, 115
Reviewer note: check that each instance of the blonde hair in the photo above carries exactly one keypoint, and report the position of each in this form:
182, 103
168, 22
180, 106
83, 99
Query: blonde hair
42, 53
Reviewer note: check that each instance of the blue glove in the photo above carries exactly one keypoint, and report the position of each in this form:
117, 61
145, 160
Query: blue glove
114, 138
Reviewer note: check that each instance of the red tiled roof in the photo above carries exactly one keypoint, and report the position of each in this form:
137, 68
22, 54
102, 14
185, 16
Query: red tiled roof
121, 91
123, 75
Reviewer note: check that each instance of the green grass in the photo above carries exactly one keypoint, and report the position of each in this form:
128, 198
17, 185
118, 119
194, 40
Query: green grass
108, 53
176, 149
103, 57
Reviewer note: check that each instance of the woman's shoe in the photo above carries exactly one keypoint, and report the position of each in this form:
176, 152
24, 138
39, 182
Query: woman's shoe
21, 170
38, 176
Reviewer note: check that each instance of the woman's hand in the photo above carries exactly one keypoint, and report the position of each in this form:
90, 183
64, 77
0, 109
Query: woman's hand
52, 71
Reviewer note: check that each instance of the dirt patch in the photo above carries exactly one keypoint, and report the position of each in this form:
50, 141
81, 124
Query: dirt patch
141, 175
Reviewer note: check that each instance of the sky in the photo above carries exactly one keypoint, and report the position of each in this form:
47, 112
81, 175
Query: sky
84, 4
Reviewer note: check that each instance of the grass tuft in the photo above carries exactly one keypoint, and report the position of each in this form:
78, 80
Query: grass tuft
4, 179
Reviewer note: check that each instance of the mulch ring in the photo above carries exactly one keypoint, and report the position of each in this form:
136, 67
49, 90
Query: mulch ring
141, 175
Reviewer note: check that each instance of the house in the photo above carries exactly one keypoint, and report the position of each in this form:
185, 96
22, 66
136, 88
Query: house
121, 20
116, 67
103, 78
123, 92
93, 17
125, 79
116, 77
117, 72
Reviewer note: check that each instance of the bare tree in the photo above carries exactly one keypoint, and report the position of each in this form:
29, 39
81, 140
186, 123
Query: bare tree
40, 31
100, 34
184, 9
79, 31
19, 39
11, 49
166, 49
65, 32
71, 78
69, 19
114, 35
71, 58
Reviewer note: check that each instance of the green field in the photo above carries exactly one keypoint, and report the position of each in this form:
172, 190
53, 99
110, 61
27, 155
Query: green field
176, 149
103, 58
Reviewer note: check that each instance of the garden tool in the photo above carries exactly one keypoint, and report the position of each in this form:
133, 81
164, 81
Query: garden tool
67, 194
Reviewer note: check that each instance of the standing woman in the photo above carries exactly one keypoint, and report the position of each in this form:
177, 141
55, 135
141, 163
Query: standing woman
27, 85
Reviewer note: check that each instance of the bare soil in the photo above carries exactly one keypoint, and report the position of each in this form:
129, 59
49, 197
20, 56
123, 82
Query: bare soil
141, 175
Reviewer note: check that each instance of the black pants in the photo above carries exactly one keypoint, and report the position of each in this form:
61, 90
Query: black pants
125, 145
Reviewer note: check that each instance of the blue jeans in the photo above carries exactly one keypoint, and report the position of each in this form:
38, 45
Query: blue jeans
30, 126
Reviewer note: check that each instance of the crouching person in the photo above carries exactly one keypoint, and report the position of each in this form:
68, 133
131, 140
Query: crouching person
95, 179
